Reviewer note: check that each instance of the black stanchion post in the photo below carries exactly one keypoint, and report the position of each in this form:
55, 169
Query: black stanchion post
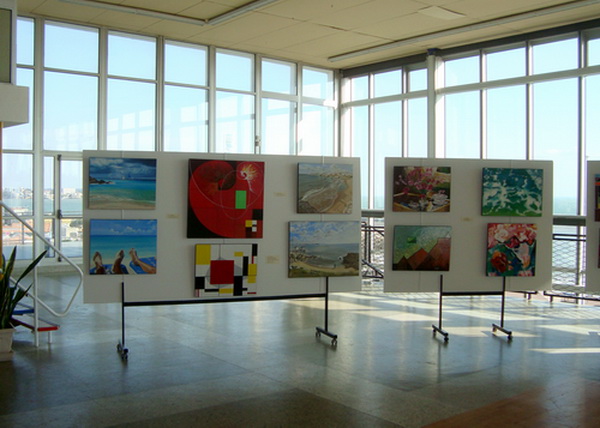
438, 328
123, 351
325, 330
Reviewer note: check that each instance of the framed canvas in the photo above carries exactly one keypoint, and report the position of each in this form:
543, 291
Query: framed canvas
421, 248
121, 183
421, 189
225, 270
324, 249
512, 192
324, 188
123, 247
225, 199
511, 249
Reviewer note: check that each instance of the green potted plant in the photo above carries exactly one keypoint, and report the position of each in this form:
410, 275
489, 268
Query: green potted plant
10, 295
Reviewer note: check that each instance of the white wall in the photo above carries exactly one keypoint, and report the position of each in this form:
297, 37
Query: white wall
469, 231
175, 259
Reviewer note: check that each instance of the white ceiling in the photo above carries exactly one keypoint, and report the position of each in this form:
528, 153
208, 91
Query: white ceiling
314, 31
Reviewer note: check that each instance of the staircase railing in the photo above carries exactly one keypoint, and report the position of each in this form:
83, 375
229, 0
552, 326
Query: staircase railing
34, 294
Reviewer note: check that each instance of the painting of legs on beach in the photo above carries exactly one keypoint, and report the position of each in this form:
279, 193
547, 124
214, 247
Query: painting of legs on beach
225, 270
225, 199
421, 189
324, 188
123, 247
421, 248
324, 248
512, 192
122, 184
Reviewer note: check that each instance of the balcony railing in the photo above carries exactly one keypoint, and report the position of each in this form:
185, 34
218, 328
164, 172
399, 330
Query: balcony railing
568, 251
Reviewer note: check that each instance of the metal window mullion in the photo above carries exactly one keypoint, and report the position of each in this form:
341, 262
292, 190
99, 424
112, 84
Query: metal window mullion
529, 152
103, 90
37, 131
257, 104
404, 113
212, 99
371, 147
581, 127
159, 102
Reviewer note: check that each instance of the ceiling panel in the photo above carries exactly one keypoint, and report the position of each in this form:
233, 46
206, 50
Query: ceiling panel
312, 31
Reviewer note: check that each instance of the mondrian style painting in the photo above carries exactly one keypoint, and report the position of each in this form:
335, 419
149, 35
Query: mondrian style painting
225, 199
225, 270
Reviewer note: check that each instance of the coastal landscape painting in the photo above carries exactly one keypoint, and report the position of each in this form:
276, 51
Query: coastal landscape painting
421, 248
225, 199
512, 192
324, 248
324, 188
123, 247
511, 249
225, 270
421, 189
122, 183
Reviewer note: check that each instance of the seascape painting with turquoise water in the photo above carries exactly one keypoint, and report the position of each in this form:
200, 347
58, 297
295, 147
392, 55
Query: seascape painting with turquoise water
122, 183
512, 192
125, 247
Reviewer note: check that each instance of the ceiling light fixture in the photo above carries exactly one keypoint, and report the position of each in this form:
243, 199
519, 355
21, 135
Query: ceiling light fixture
248, 7
465, 29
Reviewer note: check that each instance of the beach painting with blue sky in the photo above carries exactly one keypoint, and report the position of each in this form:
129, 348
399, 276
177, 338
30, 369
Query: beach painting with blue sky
324, 248
122, 183
123, 247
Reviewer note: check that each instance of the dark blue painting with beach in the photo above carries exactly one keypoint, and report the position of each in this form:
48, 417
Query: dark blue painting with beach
122, 184
122, 247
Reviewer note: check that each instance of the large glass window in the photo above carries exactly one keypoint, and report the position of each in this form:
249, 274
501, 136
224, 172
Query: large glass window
25, 41
185, 63
278, 76
278, 120
186, 119
463, 130
387, 83
506, 122
555, 56
360, 148
462, 71
130, 115
70, 111
131, 56
592, 113
71, 47
235, 123
387, 139
505, 64
555, 123
417, 127
316, 131
234, 70
317, 83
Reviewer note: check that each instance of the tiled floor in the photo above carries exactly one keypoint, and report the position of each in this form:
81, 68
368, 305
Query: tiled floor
259, 364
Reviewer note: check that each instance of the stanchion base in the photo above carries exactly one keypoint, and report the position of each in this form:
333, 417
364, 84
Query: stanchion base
436, 329
503, 330
123, 352
333, 336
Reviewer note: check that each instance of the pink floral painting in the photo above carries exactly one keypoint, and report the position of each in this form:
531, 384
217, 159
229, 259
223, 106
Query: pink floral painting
418, 189
511, 249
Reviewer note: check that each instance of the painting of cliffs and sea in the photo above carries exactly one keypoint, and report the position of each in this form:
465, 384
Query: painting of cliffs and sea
324, 249
324, 188
422, 248
122, 184
512, 192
